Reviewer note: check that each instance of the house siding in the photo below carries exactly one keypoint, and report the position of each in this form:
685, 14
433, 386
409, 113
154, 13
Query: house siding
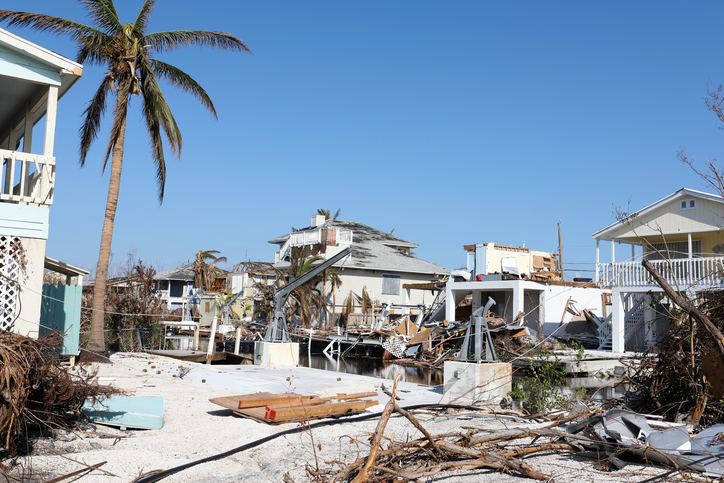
355, 280
670, 219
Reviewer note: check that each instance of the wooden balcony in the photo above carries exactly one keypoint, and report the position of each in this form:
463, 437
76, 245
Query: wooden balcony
681, 273
27, 178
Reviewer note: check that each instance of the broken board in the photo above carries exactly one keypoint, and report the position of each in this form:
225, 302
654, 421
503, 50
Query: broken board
285, 408
126, 411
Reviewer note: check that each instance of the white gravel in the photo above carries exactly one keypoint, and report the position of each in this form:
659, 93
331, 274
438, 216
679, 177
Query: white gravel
194, 429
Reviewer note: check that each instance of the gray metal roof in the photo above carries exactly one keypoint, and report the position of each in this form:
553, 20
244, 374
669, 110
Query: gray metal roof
184, 272
375, 250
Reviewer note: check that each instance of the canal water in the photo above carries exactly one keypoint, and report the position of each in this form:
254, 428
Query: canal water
600, 389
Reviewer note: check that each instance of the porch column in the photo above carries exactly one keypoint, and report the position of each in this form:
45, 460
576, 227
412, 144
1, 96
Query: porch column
618, 327
691, 247
50, 116
518, 302
449, 301
633, 252
598, 249
613, 250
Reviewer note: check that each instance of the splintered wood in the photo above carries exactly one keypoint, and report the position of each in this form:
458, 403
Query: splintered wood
290, 407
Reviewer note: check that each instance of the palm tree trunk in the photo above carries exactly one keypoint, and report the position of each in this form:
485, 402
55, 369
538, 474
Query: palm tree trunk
97, 340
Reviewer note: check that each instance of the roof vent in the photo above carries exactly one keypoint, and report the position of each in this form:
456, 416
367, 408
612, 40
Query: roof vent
317, 220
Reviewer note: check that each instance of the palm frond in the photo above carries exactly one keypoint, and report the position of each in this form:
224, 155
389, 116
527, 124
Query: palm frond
120, 111
157, 102
183, 81
46, 23
153, 124
96, 48
139, 27
93, 116
165, 41
104, 15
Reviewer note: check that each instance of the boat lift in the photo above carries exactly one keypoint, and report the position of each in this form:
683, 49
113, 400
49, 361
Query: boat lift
277, 329
471, 350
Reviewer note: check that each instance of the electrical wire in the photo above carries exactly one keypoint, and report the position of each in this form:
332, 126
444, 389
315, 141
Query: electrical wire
172, 471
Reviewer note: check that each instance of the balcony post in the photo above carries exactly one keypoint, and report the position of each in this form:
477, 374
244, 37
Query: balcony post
50, 115
691, 247
598, 264
28, 135
618, 327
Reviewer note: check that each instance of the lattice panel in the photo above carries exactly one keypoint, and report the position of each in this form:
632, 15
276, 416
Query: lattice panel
636, 318
394, 346
12, 256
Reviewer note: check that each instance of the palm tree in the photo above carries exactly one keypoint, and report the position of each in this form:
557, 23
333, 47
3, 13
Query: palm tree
128, 52
204, 269
328, 213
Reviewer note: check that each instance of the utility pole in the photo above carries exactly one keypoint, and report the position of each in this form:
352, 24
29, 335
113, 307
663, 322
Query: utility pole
560, 250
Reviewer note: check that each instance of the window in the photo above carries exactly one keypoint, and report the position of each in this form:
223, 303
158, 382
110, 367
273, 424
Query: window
391, 284
687, 204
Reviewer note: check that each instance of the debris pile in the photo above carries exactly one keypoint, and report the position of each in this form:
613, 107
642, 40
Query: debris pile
684, 380
37, 392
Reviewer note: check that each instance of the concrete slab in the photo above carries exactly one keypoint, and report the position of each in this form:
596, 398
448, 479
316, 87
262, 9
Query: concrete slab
276, 353
472, 382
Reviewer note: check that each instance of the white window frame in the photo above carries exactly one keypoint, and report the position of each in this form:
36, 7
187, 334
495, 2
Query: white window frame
688, 204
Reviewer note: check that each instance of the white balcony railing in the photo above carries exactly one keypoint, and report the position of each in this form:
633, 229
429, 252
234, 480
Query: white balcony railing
26, 177
331, 237
679, 272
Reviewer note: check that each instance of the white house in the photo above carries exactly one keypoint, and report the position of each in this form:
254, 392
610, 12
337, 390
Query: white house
380, 262
682, 236
32, 79
535, 297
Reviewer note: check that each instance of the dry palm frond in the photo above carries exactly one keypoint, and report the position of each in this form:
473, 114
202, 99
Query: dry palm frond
36, 389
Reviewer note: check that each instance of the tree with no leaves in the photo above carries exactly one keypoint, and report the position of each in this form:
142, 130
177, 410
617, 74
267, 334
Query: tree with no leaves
128, 52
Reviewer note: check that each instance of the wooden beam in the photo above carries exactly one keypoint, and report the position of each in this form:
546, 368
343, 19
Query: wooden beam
321, 410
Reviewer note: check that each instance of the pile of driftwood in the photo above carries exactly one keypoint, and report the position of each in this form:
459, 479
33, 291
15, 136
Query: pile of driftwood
432, 454
36, 391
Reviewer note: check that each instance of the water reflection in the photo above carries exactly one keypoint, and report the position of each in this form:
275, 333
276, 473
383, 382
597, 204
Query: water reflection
373, 368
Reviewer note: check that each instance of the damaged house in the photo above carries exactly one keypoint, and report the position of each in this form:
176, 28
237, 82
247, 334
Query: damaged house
32, 80
380, 263
524, 284
681, 235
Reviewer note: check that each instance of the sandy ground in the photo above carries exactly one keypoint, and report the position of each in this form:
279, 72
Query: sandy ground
194, 429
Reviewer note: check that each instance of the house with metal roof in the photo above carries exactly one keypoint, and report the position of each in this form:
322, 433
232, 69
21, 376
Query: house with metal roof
380, 262
681, 235
32, 80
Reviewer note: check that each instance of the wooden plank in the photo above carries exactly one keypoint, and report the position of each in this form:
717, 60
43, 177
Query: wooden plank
286, 400
319, 411
250, 400
188, 356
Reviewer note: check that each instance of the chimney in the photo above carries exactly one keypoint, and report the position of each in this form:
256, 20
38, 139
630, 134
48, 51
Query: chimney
317, 220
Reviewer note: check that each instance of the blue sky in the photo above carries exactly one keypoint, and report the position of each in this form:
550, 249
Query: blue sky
451, 122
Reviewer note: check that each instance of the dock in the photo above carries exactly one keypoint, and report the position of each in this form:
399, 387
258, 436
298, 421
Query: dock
200, 356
